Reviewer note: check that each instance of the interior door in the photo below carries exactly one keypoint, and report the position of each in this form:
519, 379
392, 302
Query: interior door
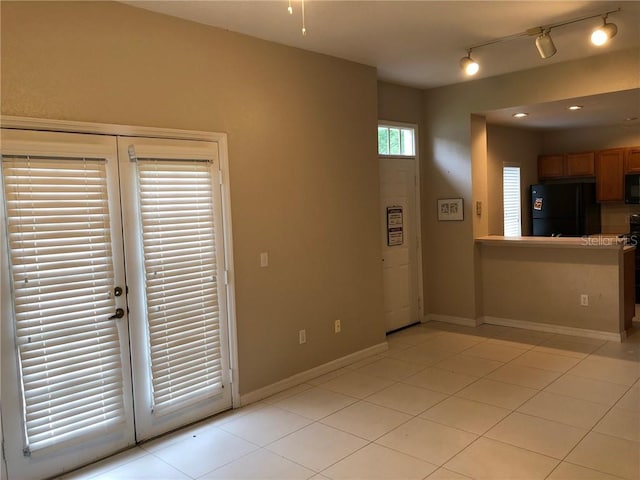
399, 241
172, 211
66, 384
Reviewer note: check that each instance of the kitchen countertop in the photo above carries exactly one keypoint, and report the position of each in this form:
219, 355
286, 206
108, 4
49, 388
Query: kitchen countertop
606, 242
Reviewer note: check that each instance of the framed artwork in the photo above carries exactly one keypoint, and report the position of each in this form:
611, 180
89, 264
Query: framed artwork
450, 209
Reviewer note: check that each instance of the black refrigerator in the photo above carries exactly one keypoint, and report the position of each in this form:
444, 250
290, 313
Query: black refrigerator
564, 209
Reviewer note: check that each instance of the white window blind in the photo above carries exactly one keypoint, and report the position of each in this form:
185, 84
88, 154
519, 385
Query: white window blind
179, 239
62, 270
511, 199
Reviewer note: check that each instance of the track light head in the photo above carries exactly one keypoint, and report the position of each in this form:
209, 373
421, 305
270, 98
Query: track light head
545, 45
602, 35
469, 65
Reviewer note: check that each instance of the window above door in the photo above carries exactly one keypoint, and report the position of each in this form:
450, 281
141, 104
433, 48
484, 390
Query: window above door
396, 141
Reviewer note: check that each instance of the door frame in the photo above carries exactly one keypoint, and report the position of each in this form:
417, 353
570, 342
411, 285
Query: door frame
26, 123
418, 219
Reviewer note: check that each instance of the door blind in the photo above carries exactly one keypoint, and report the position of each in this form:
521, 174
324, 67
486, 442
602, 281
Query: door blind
179, 239
62, 270
511, 197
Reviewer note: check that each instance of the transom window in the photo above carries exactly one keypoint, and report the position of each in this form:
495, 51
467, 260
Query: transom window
396, 141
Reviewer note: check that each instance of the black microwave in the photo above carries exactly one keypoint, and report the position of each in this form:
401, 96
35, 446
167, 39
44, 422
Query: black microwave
632, 188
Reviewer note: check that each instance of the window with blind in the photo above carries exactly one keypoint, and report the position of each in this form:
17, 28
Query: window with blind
511, 201
176, 205
58, 229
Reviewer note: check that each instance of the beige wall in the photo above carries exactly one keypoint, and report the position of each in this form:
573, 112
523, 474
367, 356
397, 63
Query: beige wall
615, 217
399, 104
515, 146
481, 178
302, 147
568, 140
543, 285
446, 157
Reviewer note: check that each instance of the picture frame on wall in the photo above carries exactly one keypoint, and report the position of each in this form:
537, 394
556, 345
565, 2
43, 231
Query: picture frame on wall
450, 209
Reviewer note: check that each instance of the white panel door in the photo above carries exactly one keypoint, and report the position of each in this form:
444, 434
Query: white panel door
399, 256
66, 385
172, 211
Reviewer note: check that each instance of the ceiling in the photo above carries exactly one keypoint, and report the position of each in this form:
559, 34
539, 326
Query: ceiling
620, 108
419, 43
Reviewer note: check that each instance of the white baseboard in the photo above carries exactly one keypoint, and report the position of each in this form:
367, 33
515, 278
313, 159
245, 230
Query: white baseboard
467, 322
302, 377
546, 327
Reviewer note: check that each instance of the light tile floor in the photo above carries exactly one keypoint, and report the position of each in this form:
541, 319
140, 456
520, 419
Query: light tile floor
444, 402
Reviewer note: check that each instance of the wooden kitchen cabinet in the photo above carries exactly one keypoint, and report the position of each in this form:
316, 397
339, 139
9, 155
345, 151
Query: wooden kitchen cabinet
632, 160
581, 164
610, 175
551, 166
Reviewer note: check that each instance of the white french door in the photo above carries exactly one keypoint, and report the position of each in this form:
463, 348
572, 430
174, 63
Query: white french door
66, 398
84, 352
172, 208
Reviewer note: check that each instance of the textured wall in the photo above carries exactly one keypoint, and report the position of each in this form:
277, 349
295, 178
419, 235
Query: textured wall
302, 146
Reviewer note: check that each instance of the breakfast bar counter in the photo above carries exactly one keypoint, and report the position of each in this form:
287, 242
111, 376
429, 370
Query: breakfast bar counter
578, 286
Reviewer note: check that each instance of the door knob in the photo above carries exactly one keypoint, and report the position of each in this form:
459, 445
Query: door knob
119, 314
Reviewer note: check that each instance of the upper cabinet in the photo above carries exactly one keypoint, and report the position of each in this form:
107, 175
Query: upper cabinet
632, 160
566, 166
610, 175
581, 164
551, 166
608, 166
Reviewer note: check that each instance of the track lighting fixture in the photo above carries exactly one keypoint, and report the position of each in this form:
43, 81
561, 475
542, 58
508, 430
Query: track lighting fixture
601, 35
544, 43
469, 65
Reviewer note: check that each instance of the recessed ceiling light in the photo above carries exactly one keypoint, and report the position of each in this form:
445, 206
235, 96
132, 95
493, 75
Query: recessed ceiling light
520, 115
575, 107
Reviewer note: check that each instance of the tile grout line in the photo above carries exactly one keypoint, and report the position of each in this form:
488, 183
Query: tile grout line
452, 333
589, 431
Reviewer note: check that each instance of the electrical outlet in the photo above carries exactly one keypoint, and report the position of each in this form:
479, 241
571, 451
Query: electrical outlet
302, 336
337, 326
584, 300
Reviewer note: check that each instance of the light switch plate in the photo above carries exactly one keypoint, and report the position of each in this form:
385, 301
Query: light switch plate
264, 259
